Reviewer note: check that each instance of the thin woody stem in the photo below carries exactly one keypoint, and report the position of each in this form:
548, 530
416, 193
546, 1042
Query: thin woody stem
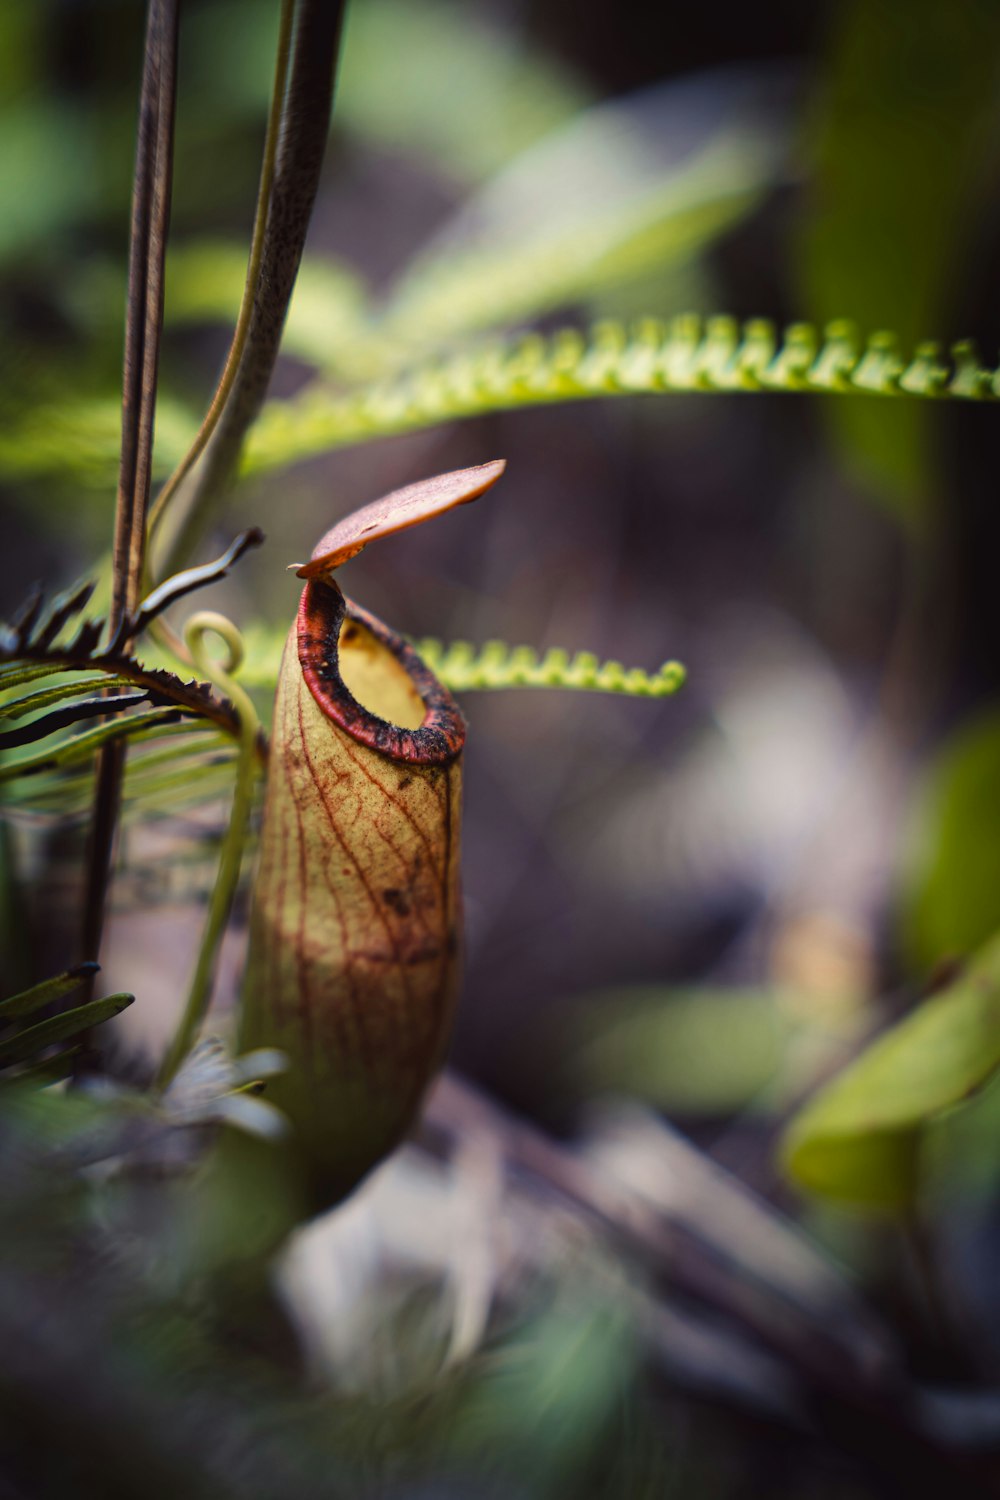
301, 142
231, 854
250, 288
144, 317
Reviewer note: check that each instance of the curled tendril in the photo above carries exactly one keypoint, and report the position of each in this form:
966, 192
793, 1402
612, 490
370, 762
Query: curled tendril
198, 628
209, 621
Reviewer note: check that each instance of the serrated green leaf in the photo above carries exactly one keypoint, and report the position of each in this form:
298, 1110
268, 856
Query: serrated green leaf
46, 993
23, 672
17, 707
58, 1028
466, 668
858, 1139
69, 714
83, 746
688, 355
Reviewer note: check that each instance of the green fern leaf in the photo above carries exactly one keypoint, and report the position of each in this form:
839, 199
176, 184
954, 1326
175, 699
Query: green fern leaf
16, 708
62, 718
79, 440
33, 1039
496, 665
165, 775
83, 746
19, 673
46, 993
650, 357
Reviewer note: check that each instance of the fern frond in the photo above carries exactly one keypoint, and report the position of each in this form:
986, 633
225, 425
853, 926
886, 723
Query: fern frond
16, 708
70, 713
77, 747
35, 644
79, 440
35, 1039
27, 1044
464, 668
47, 993
686, 355
184, 739
165, 775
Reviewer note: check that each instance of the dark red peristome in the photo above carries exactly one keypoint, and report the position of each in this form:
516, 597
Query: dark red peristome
322, 612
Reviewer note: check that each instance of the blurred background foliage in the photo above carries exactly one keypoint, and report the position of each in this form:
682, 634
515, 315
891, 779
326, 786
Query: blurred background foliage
759, 917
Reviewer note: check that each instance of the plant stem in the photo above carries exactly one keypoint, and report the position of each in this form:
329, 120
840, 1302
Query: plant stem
231, 853
250, 288
299, 144
143, 321
936, 1313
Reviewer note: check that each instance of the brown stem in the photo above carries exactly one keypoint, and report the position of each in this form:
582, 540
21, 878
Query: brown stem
144, 316
143, 319
222, 391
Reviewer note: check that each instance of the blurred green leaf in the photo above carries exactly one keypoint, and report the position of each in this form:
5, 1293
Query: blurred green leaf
640, 183
16, 708
479, 98
858, 1138
953, 868
900, 136
79, 437
960, 1162
49, 176
695, 1051
22, 46
77, 747
548, 1396
33, 1039
244, 32
165, 775
327, 319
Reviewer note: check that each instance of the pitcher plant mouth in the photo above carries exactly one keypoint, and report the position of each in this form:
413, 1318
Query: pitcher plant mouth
397, 707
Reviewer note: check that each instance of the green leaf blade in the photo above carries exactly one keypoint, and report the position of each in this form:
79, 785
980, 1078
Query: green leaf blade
857, 1138
47, 993
17, 708
60, 1028
84, 746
